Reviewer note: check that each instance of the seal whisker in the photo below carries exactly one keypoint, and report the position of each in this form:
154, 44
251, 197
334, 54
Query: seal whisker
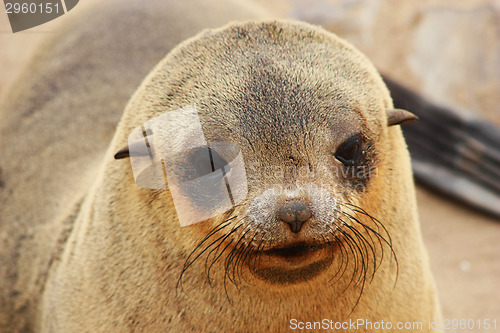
344, 262
365, 243
363, 254
234, 251
348, 241
247, 250
241, 256
381, 238
332, 253
216, 249
360, 210
225, 285
229, 263
259, 253
188, 262
358, 254
235, 227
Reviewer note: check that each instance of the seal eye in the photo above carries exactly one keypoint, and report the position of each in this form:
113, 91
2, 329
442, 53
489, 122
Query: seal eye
205, 164
349, 153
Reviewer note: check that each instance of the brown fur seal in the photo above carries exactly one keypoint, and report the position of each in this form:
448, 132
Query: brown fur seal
340, 241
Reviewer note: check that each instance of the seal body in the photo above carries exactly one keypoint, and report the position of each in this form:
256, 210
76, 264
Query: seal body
328, 229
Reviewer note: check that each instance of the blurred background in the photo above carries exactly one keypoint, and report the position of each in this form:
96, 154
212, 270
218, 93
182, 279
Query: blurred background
449, 51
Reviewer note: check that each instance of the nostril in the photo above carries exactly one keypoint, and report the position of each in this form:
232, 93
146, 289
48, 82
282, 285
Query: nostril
304, 214
295, 214
286, 215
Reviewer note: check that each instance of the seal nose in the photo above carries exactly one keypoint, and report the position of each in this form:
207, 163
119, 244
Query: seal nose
295, 214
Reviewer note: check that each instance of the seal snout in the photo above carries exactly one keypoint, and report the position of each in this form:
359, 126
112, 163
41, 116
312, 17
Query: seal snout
295, 213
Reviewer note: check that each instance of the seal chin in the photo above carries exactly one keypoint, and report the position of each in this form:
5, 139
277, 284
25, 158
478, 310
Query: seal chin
293, 263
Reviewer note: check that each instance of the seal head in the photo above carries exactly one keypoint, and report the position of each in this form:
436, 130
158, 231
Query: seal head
312, 119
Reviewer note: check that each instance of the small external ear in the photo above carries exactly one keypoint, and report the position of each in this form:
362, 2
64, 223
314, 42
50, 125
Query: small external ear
122, 153
137, 148
400, 117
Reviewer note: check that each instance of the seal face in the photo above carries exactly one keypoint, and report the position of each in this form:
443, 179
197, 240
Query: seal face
309, 114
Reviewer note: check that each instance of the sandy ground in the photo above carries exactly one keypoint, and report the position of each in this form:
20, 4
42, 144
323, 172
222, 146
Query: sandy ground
463, 245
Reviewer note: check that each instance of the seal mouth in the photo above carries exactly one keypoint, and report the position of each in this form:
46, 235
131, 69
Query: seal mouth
295, 251
293, 263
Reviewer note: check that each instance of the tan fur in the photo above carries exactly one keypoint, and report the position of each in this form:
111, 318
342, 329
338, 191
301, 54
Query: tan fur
89, 251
